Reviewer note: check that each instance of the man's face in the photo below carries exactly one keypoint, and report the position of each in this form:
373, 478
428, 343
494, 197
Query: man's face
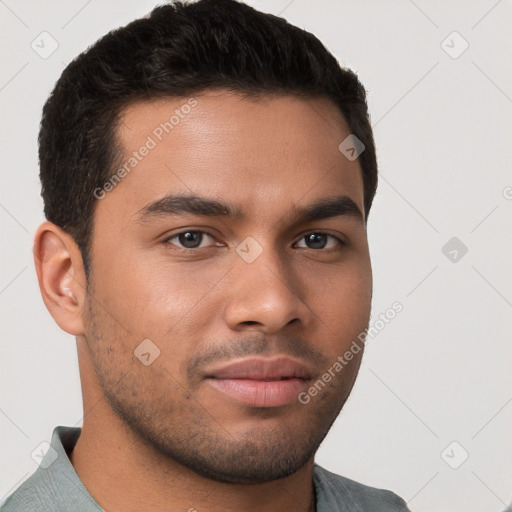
265, 283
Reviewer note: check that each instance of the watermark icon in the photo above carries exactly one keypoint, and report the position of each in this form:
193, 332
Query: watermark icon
249, 249
146, 352
507, 193
454, 45
351, 147
157, 135
455, 455
362, 339
44, 45
44, 455
454, 249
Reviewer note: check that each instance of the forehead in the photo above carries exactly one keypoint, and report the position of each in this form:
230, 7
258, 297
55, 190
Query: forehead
264, 153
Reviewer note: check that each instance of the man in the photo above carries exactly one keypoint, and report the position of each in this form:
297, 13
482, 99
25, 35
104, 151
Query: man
207, 174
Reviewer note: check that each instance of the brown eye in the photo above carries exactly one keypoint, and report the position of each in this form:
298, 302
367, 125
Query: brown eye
319, 240
190, 239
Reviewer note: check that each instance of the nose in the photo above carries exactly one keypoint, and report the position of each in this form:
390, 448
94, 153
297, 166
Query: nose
266, 294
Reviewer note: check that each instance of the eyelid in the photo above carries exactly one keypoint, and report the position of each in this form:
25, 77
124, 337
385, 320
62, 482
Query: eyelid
178, 233
166, 241
339, 239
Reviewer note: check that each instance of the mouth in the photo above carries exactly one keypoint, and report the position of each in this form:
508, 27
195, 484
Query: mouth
261, 382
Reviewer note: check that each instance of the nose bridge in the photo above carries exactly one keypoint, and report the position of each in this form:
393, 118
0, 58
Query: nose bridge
263, 287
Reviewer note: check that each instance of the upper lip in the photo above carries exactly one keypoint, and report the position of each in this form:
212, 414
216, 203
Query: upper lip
261, 369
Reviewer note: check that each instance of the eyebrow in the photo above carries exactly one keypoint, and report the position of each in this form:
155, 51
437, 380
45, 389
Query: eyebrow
179, 204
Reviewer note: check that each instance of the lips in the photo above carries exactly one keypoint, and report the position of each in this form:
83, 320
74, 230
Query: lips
261, 382
261, 369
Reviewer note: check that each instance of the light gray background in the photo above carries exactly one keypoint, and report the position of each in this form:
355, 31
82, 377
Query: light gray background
440, 371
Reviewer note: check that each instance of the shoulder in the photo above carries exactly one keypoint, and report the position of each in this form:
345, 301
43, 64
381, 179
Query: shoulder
54, 486
334, 489
28, 496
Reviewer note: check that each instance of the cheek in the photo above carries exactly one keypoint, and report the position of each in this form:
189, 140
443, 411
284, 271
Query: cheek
342, 299
155, 297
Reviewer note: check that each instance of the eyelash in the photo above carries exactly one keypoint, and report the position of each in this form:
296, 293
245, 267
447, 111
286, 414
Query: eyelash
168, 242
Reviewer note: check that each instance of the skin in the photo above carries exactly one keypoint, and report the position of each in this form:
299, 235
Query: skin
159, 437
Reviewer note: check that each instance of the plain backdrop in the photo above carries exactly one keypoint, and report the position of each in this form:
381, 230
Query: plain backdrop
430, 416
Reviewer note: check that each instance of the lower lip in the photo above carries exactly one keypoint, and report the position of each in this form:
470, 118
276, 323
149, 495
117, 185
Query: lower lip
260, 393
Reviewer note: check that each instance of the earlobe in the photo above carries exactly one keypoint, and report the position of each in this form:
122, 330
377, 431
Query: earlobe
61, 277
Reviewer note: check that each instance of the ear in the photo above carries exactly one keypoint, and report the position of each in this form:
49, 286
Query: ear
61, 276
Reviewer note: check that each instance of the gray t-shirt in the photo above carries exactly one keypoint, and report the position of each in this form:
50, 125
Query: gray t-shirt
55, 487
